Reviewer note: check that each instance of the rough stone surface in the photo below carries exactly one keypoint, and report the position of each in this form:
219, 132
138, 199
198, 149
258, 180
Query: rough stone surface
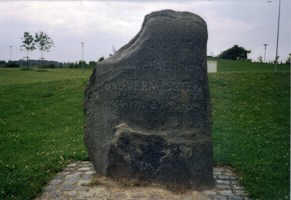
147, 107
102, 188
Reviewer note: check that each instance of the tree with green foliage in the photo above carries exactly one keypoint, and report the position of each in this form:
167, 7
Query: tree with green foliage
288, 61
2, 63
260, 59
12, 64
28, 43
43, 42
82, 64
235, 53
92, 63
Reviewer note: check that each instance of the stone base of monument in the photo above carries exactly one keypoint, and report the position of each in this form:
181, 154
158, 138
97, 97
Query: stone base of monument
78, 181
156, 157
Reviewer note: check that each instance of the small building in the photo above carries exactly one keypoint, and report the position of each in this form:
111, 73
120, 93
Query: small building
211, 66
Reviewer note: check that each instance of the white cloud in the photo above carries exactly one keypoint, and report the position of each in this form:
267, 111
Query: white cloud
102, 24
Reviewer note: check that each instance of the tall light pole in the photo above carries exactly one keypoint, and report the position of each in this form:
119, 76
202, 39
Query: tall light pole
82, 51
266, 45
278, 33
10, 52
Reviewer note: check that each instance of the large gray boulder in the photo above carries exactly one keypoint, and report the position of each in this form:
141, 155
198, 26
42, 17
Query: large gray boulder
147, 107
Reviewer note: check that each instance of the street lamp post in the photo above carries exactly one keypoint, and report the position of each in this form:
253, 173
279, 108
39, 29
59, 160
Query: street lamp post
278, 33
10, 52
266, 45
82, 51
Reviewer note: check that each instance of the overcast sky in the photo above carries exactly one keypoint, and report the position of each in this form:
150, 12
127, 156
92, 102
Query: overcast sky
102, 25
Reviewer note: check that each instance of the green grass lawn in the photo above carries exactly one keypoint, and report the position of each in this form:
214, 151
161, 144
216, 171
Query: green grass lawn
14, 76
246, 66
41, 128
251, 129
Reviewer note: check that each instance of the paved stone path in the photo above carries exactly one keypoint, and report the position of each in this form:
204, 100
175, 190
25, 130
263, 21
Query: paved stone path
79, 182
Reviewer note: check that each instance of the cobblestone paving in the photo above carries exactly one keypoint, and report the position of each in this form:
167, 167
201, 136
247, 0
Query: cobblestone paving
79, 182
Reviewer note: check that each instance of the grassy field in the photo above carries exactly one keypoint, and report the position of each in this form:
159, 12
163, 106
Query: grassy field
246, 66
41, 128
251, 129
15, 76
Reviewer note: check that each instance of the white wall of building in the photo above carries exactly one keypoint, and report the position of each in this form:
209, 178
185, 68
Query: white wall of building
211, 66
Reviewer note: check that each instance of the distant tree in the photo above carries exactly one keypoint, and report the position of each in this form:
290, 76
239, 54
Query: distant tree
28, 44
92, 63
71, 65
260, 59
82, 64
12, 64
44, 43
288, 61
52, 65
276, 59
2, 63
234, 53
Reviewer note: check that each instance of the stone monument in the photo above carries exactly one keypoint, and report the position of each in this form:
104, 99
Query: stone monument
147, 107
